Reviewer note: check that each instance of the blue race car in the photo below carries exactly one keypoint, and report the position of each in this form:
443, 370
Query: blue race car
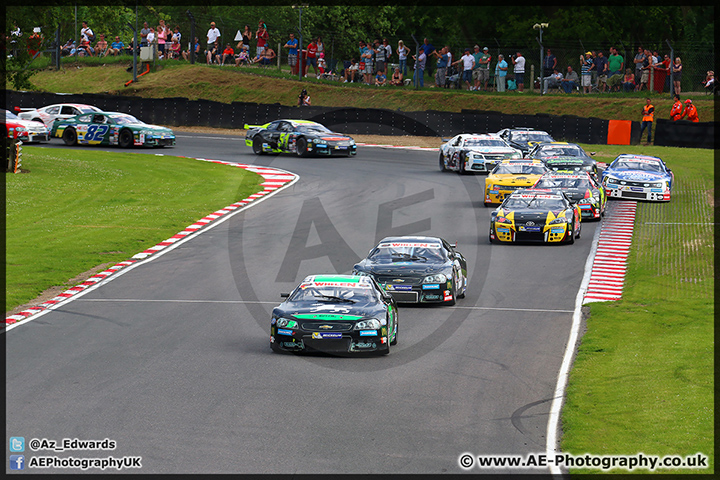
639, 177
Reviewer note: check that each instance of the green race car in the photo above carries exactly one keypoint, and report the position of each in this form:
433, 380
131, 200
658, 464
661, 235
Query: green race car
111, 128
301, 137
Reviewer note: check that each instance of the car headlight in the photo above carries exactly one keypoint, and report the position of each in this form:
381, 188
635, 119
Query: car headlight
559, 220
438, 278
370, 324
285, 323
596, 196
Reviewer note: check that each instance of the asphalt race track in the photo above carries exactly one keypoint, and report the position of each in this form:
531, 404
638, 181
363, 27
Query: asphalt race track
172, 359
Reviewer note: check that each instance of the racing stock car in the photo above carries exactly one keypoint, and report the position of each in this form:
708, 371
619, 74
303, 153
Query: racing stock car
475, 153
417, 269
339, 314
524, 138
111, 128
510, 175
536, 215
639, 177
301, 137
50, 113
580, 188
27, 131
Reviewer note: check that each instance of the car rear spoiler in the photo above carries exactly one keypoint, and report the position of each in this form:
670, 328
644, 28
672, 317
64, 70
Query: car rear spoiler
21, 109
247, 127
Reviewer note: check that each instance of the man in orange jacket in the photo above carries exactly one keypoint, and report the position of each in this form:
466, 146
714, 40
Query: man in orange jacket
647, 119
690, 111
677, 109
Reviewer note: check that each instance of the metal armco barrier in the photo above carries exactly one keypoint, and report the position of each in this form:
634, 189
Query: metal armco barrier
206, 113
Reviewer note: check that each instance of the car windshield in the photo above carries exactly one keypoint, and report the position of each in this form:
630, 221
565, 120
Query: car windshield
487, 142
393, 252
520, 169
560, 151
535, 202
10, 116
312, 128
646, 166
564, 182
333, 294
532, 137
126, 120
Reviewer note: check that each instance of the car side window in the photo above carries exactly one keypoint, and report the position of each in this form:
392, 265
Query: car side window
98, 119
67, 110
53, 110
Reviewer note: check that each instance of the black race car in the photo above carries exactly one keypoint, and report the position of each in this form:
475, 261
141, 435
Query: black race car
301, 137
339, 314
573, 165
524, 138
417, 269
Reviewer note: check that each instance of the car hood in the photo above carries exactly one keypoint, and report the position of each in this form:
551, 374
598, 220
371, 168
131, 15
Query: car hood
326, 312
636, 176
402, 268
29, 124
538, 216
509, 179
490, 149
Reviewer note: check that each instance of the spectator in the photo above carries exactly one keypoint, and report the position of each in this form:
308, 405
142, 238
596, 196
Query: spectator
647, 120
212, 53
228, 52
601, 65
380, 53
87, 33
586, 63
195, 48
690, 112
243, 58
468, 62
247, 36
320, 46
549, 64
262, 38
292, 46
648, 65
311, 56
616, 63
628, 83
666, 66
143, 35
116, 47
68, 49
441, 65
304, 99
388, 50
35, 41
677, 74
552, 80
101, 47
420, 61
163, 35
322, 66
174, 50
397, 78
570, 81
519, 63
639, 62
213, 35
501, 73
380, 78
268, 56
482, 69
676, 112
151, 37
428, 49
351, 71
403, 53
365, 62
593, 70
709, 82
84, 49
177, 34
450, 57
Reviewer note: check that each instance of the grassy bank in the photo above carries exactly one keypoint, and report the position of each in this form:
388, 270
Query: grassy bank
75, 210
227, 84
643, 377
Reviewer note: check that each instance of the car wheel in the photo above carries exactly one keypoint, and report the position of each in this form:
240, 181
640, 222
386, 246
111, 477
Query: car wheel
454, 292
70, 137
579, 231
443, 168
464, 288
397, 331
572, 234
257, 145
126, 139
461, 164
301, 146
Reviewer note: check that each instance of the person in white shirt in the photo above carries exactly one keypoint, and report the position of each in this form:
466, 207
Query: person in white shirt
519, 62
468, 62
212, 36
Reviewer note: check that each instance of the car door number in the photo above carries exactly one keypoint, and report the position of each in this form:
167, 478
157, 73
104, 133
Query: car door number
95, 133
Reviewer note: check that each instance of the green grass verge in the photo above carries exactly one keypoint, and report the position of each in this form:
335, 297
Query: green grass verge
75, 210
643, 379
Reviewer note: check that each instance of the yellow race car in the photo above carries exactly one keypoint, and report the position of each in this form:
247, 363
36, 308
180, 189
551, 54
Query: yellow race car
510, 175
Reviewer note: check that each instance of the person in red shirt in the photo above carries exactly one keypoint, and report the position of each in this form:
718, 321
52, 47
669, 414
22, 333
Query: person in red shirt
227, 53
262, 38
690, 111
311, 56
677, 109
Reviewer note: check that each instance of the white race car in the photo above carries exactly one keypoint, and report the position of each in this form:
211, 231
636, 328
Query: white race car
47, 115
32, 131
472, 152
